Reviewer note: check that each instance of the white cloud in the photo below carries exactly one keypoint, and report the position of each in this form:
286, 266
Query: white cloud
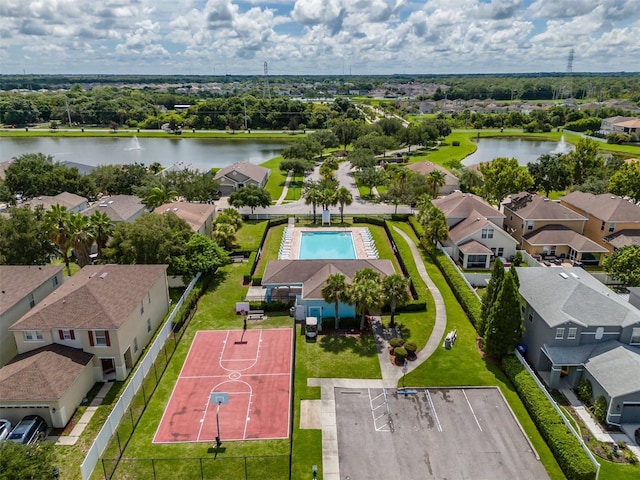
318, 36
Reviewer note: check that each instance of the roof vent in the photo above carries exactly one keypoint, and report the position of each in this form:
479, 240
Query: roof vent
563, 275
573, 275
546, 199
104, 275
613, 197
102, 205
110, 202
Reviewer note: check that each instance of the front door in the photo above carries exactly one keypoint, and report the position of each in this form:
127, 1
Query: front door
108, 368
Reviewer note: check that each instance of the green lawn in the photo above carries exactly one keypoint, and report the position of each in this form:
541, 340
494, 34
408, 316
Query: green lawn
250, 234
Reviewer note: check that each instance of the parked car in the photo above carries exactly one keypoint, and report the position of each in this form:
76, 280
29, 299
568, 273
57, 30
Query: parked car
30, 429
5, 428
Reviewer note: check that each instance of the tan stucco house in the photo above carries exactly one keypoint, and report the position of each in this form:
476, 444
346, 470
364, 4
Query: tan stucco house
241, 174
22, 287
199, 216
108, 312
612, 221
451, 182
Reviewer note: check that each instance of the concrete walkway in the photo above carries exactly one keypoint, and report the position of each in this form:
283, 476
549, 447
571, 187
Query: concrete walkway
391, 374
595, 428
283, 195
73, 437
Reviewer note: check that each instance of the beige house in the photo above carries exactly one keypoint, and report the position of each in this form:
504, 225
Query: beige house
21, 289
425, 168
612, 221
119, 208
459, 205
73, 202
199, 216
620, 124
109, 312
240, 174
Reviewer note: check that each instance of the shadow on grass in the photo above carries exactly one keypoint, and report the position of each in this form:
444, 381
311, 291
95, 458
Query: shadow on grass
362, 345
218, 279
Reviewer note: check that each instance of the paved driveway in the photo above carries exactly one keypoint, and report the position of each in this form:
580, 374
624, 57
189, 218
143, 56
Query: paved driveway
448, 433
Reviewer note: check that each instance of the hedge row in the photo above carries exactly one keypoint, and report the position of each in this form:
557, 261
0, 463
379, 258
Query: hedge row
565, 447
370, 220
470, 303
251, 267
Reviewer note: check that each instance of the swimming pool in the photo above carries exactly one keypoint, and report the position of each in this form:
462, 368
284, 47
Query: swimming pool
326, 245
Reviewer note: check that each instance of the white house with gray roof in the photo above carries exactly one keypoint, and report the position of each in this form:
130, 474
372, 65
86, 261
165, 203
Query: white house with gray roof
241, 174
575, 328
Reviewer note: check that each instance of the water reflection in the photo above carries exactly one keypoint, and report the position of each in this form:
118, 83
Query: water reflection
524, 151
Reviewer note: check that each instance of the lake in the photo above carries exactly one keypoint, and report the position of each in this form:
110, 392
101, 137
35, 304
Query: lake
194, 153
524, 150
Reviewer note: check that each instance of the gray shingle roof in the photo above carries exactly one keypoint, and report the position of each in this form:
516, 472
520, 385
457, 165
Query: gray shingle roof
119, 208
98, 296
612, 364
18, 281
425, 168
255, 172
195, 214
43, 374
606, 207
561, 235
624, 238
530, 206
579, 297
64, 199
313, 273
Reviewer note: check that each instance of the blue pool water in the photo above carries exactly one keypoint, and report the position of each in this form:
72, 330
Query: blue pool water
326, 245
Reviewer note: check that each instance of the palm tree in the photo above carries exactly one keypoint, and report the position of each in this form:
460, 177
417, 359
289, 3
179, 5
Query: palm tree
367, 294
159, 196
81, 236
327, 198
435, 180
225, 235
312, 196
395, 289
335, 291
230, 216
343, 197
57, 224
102, 227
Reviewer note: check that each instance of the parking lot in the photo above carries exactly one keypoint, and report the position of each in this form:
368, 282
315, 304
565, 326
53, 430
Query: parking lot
440, 433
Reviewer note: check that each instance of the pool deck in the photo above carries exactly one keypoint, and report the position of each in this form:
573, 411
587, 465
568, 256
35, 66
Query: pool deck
358, 242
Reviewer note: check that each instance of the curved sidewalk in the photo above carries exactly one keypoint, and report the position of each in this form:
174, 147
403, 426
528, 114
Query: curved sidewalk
391, 374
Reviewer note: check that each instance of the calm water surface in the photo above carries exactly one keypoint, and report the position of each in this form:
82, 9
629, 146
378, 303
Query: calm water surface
524, 150
196, 153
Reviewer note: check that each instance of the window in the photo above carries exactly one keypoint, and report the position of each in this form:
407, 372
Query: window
530, 225
559, 333
487, 233
612, 227
141, 308
32, 301
54, 281
66, 334
135, 344
553, 250
531, 317
148, 324
33, 336
572, 333
635, 336
500, 252
99, 338
602, 226
148, 297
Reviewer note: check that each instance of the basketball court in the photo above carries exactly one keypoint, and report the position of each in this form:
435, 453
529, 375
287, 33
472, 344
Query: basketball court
256, 376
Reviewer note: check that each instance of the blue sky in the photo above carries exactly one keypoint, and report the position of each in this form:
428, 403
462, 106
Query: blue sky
362, 37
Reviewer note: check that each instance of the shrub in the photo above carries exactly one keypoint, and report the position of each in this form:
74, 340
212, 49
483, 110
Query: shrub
600, 409
400, 355
396, 342
410, 347
370, 220
565, 447
455, 143
517, 259
585, 390
630, 457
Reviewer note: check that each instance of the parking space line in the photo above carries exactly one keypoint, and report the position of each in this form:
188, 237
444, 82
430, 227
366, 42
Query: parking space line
471, 408
433, 411
380, 424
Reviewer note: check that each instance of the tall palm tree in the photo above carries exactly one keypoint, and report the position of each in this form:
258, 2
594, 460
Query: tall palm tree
327, 198
435, 180
102, 227
396, 292
81, 235
225, 235
367, 294
57, 224
335, 291
158, 196
312, 196
343, 197
231, 216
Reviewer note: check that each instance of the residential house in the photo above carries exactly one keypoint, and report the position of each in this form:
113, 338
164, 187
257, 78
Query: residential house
199, 216
240, 174
620, 124
547, 228
73, 203
22, 288
451, 182
476, 235
108, 312
82, 168
476, 241
119, 208
612, 221
304, 279
577, 328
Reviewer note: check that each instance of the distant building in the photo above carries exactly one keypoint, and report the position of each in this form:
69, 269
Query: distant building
199, 216
240, 174
451, 182
119, 208
73, 202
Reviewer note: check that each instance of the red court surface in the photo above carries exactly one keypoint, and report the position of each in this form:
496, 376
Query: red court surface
256, 375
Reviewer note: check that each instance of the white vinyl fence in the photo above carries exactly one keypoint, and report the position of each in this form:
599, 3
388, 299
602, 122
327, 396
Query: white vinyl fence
144, 366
